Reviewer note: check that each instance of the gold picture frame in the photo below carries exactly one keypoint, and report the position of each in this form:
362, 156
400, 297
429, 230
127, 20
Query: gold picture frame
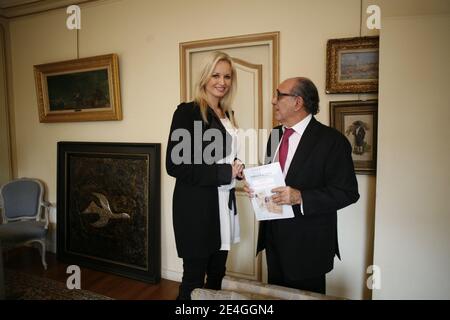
352, 65
358, 122
86, 89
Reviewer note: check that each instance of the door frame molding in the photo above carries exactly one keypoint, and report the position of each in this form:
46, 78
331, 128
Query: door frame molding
268, 38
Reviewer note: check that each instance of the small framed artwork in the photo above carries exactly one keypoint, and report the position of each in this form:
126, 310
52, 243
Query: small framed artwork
85, 89
357, 120
108, 197
352, 65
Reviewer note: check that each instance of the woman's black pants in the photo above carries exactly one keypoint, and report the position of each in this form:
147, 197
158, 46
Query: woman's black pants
194, 270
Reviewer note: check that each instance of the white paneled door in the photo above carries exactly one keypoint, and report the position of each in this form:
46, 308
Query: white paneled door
254, 66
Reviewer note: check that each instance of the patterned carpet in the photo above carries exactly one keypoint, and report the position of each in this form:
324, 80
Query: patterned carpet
22, 286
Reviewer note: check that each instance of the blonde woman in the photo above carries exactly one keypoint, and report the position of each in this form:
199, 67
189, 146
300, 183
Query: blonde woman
201, 155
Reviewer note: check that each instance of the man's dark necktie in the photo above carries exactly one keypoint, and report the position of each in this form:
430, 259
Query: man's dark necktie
284, 147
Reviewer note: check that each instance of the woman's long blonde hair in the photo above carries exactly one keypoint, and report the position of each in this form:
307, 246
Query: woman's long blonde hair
200, 97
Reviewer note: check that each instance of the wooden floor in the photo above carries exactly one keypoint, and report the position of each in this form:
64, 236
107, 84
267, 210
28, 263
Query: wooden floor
117, 287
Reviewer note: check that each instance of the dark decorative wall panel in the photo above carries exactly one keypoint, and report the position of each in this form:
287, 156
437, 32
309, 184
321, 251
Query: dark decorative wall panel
109, 207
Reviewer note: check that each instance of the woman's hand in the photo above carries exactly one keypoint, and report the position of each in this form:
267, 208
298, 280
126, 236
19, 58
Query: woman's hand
240, 174
237, 168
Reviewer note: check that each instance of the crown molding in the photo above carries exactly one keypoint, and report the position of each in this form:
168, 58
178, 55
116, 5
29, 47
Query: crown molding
35, 7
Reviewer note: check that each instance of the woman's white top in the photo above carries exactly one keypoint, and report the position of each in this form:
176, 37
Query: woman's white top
229, 221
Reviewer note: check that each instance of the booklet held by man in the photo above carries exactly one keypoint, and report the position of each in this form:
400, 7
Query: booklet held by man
262, 180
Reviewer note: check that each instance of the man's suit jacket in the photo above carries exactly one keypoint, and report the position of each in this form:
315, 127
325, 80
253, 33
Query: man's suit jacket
195, 203
322, 169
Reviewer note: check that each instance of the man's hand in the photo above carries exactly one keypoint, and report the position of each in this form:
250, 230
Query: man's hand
247, 190
286, 195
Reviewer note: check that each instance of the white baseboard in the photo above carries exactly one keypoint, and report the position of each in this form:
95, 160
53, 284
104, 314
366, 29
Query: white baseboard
171, 275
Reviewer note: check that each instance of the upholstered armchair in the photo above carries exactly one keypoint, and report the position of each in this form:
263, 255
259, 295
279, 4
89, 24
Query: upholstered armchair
21, 204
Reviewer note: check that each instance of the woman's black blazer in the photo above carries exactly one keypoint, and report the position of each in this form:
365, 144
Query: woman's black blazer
195, 197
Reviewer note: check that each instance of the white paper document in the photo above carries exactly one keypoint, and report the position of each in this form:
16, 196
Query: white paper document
262, 180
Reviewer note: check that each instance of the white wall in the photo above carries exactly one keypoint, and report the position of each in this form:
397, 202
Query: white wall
413, 185
146, 34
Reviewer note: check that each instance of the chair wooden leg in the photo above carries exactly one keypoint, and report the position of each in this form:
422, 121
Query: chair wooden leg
42, 252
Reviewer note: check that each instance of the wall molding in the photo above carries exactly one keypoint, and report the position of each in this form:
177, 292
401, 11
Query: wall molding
5, 121
36, 7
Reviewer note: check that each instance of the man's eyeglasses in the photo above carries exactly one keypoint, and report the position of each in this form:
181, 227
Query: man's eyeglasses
282, 94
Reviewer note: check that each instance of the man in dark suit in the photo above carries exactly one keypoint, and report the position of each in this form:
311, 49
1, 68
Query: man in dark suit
320, 179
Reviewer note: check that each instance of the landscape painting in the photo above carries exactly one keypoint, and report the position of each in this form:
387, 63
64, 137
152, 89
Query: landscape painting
86, 89
80, 90
352, 65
